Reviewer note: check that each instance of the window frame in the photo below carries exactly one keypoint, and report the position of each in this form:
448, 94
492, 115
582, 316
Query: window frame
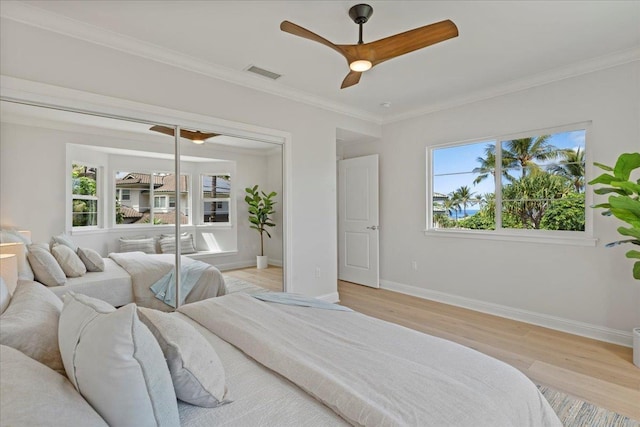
98, 197
579, 238
203, 200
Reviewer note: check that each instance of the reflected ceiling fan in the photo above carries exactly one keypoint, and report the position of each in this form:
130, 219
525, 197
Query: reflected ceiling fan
196, 137
363, 56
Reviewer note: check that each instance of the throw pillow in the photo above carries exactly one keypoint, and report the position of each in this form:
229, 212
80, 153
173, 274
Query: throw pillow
45, 267
115, 363
168, 245
64, 239
197, 372
68, 260
146, 245
91, 259
30, 324
5, 296
34, 395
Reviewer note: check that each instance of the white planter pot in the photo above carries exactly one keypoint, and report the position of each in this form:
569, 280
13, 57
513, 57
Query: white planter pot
636, 347
262, 261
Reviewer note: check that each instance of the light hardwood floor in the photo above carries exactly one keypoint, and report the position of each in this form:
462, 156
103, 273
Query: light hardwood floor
594, 371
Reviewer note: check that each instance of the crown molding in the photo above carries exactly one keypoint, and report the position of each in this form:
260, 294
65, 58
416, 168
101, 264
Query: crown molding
40, 18
557, 74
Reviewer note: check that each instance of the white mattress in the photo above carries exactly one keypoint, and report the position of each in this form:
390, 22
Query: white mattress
112, 285
260, 396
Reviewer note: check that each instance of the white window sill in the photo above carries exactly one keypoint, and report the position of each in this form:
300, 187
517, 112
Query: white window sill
207, 254
216, 225
554, 238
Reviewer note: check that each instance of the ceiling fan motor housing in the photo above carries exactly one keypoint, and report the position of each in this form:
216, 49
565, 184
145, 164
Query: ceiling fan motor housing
361, 13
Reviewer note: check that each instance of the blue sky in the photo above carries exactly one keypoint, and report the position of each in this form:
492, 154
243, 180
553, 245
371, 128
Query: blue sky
453, 166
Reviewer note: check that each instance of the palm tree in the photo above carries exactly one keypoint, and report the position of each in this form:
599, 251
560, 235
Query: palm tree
488, 165
452, 204
571, 166
524, 152
464, 196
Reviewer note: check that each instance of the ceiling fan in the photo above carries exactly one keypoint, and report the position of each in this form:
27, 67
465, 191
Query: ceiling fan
363, 56
196, 137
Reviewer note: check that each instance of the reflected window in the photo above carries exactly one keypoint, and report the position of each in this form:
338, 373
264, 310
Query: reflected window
84, 190
216, 197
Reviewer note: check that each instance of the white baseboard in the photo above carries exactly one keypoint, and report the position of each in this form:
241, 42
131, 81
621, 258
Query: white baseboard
332, 297
233, 265
552, 322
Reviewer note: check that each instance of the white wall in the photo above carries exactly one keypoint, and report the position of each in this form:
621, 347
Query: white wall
592, 285
34, 54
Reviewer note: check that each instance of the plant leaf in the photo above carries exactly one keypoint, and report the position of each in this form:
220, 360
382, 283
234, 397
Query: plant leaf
601, 205
628, 186
633, 232
607, 190
619, 242
626, 203
626, 163
604, 167
636, 270
633, 254
605, 178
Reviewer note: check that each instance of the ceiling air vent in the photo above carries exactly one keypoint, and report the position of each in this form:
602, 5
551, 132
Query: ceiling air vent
264, 73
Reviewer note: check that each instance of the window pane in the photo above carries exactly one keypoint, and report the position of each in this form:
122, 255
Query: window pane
83, 179
131, 210
85, 213
544, 182
216, 186
464, 187
217, 211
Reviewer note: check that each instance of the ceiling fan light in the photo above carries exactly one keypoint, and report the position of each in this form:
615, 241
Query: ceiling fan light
198, 141
360, 65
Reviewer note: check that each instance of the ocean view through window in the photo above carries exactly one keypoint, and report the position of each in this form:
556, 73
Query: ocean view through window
532, 181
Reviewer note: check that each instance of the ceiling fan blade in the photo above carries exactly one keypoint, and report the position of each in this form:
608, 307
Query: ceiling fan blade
296, 30
352, 79
400, 44
184, 133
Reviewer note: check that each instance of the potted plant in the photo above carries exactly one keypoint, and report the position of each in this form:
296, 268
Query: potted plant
624, 204
260, 208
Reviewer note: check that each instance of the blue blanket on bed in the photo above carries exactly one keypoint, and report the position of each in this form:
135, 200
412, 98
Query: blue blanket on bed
165, 289
299, 300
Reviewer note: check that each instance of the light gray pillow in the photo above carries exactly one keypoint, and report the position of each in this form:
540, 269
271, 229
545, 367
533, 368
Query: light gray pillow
5, 296
196, 370
115, 363
146, 245
91, 259
168, 245
30, 324
45, 267
68, 260
34, 395
64, 239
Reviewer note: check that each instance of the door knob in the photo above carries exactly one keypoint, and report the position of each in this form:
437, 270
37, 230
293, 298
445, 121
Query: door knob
373, 227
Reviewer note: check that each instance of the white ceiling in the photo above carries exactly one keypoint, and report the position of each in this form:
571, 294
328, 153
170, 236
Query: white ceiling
503, 45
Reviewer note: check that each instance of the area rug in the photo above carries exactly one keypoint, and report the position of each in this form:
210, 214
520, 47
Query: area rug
233, 285
578, 413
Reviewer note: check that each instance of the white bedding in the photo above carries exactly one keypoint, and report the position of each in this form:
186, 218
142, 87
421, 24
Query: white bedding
260, 397
373, 372
112, 285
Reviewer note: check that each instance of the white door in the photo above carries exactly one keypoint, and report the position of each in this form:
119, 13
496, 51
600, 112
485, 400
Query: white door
358, 252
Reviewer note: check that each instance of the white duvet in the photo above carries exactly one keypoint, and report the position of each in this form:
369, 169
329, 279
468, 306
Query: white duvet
372, 372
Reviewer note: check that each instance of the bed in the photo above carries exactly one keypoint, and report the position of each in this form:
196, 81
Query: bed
289, 365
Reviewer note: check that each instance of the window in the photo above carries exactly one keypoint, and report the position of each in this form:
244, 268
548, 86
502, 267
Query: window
541, 183
150, 198
84, 189
216, 198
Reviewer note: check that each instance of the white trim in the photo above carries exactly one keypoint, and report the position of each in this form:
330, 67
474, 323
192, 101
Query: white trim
40, 18
332, 297
235, 265
560, 324
554, 238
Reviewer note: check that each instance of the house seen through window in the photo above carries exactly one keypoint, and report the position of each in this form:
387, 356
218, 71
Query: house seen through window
541, 183
150, 198
85, 201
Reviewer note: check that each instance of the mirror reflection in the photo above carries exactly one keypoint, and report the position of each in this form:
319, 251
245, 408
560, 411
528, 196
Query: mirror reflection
110, 186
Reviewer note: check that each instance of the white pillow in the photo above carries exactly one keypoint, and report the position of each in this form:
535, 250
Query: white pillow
45, 267
64, 239
68, 260
5, 296
115, 363
197, 372
146, 245
30, 324
168, 245
91, 259
34, 395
